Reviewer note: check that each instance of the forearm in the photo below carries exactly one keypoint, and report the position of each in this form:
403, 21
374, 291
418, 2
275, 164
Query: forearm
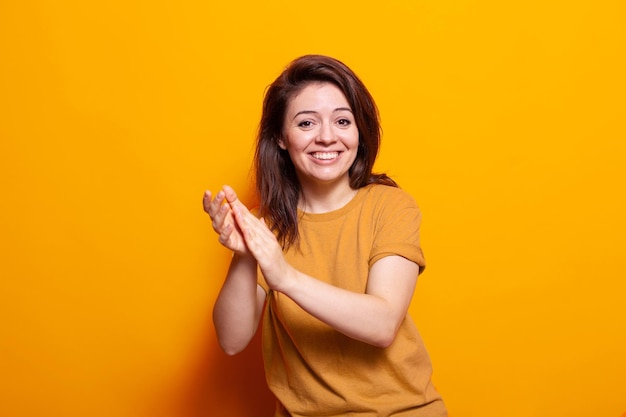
236, 312
366, 317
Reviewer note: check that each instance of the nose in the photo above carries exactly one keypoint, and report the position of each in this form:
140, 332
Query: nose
326, 134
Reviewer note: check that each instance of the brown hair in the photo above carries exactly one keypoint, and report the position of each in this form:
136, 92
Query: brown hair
276, 181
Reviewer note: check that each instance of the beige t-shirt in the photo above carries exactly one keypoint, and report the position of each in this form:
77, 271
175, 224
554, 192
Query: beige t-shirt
315, 370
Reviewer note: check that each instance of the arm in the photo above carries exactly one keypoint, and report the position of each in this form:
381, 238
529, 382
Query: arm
239, 304
372, 317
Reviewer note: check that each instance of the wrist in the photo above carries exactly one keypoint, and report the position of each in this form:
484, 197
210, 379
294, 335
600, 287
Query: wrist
245, 260
288, 280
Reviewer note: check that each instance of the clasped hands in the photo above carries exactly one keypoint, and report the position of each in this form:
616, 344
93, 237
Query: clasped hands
242, 232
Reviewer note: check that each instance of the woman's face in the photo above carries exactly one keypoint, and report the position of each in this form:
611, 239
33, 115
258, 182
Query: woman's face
320, 135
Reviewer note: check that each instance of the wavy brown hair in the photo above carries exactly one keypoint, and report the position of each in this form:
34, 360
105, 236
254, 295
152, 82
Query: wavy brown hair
277, 185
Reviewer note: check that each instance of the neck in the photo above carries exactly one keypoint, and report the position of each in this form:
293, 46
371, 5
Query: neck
322, 198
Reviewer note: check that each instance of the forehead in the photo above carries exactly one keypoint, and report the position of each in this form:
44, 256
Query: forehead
317, 95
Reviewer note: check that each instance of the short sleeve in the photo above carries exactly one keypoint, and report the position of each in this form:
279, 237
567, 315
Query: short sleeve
397, 229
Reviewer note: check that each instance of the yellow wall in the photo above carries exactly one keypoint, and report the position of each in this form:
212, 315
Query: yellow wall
505, 120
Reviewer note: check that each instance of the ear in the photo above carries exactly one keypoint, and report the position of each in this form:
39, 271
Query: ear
281, 143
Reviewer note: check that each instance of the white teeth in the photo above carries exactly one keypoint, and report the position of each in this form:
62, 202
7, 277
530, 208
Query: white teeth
325, 155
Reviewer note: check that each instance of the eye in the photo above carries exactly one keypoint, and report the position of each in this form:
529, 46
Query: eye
305, 123
344, 122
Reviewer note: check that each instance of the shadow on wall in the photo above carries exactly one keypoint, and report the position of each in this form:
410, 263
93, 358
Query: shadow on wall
222, 385
229, 385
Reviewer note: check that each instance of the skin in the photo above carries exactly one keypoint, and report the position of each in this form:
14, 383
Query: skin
321, 138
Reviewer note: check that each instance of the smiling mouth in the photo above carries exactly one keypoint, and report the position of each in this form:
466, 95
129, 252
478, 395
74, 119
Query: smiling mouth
325, 156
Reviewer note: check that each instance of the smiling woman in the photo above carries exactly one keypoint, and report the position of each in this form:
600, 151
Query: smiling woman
322, 141
339, 252
505, 120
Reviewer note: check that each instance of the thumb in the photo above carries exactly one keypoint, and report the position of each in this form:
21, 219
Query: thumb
233, 200
230, 194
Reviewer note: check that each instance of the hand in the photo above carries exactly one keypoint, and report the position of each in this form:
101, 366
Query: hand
223, 221
261, 243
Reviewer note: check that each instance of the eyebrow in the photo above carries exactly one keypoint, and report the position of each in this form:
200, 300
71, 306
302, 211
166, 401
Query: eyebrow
314, 112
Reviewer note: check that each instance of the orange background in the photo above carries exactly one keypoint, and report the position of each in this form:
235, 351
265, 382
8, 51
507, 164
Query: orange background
505, 120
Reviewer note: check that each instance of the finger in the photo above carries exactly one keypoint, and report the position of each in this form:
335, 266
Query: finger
240, 219
256, 233
216, 204
206, 200
219, 217
231, 195
225, 234
232, 198
258, 225
266, 228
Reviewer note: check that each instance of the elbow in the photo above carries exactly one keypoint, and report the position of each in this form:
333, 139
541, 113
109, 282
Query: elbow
385, 338
231, 342
232, 345
233, 338
384, 342
231, 350
386, 333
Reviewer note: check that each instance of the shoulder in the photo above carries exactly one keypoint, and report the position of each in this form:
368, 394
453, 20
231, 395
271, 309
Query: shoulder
395, 223
385, 195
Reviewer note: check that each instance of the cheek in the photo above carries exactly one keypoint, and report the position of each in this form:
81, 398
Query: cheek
299, 142
354, 140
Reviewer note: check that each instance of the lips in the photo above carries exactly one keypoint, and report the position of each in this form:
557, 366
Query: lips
325, 156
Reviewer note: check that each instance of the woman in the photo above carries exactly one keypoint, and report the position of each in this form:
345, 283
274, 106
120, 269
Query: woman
338, 252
